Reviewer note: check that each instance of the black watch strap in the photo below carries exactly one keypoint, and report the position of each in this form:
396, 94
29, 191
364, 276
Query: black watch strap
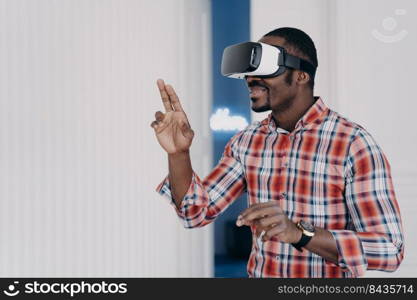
302, 242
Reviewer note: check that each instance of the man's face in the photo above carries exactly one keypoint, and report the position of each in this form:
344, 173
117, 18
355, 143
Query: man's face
275, 93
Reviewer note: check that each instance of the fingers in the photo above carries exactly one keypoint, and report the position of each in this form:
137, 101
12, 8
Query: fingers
158, 126
154, 124
164, 95
258, 211
159, 116
268, 221
169, 97
174, 98
256, 207
274, 231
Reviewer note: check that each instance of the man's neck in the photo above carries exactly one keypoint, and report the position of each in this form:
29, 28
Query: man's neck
288, 118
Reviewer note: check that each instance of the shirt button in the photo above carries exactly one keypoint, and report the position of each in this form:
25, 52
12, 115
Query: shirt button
284, 195
286, 164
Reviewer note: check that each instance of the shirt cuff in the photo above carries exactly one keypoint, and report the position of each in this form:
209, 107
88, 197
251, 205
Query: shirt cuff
351, 256
191, 197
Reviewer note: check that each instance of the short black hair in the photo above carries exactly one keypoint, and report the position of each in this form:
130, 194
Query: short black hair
298, 42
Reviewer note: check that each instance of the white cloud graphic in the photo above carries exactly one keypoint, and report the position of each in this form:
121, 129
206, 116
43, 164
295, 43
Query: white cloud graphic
222, 121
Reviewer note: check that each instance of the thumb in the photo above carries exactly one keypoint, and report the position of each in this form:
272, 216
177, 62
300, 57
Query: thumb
186, 131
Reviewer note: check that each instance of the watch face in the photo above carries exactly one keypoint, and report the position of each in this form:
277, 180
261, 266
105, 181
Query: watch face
307, 226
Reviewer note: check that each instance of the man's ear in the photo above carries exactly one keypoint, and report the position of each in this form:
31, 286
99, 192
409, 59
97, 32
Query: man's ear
302, 77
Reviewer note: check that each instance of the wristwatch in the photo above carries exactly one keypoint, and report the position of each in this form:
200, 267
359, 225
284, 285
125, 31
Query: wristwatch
308, 232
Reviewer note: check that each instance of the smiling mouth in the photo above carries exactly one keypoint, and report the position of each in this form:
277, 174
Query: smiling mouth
257, 91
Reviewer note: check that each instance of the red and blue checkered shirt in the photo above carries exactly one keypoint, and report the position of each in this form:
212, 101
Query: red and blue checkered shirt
328, 171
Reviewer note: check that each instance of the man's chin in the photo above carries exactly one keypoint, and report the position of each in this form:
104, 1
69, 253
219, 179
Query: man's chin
259, 109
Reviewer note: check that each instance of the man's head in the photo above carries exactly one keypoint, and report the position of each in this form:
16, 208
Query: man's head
278, 92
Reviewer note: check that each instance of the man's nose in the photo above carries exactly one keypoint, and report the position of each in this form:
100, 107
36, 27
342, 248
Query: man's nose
250, 79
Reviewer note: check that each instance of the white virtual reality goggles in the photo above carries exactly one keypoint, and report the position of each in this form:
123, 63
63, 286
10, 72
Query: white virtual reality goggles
260, 60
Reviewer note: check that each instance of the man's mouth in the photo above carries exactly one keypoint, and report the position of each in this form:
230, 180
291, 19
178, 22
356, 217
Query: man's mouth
257, 91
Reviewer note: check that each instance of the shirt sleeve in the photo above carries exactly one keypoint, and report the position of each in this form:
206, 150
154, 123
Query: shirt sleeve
206, 199
375, 241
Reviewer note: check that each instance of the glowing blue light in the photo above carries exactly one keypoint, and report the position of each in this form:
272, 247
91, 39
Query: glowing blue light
222, 121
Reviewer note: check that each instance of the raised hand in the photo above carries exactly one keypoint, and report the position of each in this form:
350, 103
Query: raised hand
172, 128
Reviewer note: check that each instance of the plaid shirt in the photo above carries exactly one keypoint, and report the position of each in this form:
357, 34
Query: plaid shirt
328, 171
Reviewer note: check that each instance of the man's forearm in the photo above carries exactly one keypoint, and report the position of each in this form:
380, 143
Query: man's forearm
323, 244
180, 175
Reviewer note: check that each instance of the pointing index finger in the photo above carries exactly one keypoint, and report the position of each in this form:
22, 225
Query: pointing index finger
164, 95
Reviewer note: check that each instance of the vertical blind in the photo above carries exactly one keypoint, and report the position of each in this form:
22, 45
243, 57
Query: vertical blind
79, 162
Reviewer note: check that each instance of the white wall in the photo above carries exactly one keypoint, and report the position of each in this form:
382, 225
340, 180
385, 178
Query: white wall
308, 15
78, 160
368, 80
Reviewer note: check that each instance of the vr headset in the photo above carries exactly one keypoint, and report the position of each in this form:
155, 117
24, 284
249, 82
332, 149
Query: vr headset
260, 60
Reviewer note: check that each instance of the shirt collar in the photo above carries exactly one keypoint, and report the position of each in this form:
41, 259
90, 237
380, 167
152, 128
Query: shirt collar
314, 114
